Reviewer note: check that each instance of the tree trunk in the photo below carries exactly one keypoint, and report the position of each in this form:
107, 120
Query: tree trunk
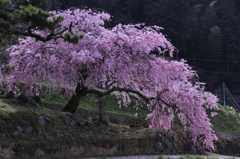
100, 109
73, 103
10, 95
100, 106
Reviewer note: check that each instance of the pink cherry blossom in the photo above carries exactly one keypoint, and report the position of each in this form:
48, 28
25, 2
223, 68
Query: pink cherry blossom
123, 57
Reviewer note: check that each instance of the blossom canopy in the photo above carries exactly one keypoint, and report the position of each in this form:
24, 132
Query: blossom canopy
130, 57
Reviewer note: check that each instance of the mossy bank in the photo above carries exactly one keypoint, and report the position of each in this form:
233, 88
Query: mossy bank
28, 131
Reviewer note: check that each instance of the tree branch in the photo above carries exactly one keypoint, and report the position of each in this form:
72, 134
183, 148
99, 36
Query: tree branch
102, 92
39, 37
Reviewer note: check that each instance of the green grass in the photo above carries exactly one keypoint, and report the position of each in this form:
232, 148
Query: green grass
227, 120
6, 109
9, 108
89, 103
54, 99
111, 106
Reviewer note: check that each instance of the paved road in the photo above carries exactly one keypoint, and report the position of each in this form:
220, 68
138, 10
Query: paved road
169, 157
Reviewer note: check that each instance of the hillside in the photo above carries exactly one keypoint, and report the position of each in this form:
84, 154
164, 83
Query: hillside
27, 131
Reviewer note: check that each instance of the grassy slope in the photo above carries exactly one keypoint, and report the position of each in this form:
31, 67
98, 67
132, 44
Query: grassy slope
89, 103
227, 120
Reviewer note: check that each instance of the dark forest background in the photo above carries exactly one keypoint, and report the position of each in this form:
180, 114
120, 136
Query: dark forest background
206, 32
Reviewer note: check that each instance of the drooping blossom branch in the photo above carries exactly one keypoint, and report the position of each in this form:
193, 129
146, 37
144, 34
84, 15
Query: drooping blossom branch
118, 61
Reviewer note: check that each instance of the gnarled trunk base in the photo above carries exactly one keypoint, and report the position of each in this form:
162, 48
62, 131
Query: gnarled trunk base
73, 103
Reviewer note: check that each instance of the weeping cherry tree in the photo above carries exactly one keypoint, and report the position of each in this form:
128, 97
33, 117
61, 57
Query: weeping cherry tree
126, 61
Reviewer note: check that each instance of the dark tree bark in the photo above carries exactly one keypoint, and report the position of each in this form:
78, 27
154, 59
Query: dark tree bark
100, 109
73, 103
100, 106
10, 95
37, 99
22, 98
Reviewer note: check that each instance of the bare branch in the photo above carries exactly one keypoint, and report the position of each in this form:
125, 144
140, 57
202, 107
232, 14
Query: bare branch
51, 36
102, 92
